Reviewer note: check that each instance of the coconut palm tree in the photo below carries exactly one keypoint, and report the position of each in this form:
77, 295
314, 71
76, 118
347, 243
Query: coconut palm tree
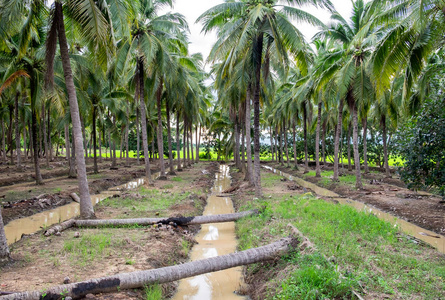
264, 27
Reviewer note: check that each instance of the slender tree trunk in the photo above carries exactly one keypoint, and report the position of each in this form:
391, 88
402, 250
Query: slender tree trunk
317, 142
3, 141
10, 139
160, 131
31, 143
385, 147
86, 207
306, 162
153, 152
351, 100
191, 143
50, 145
113, 148
140, 68
67, 142
17, 131
236, 152
272, 147
280, 146
348, 144
4, 249
337, 140
365, 146
84, 136
100, 147
294, 130
96, 169
25, 141
45, 135
188, 148
258, 56
138, 146
169, 136
33, 88
249, 173
184, 145
323, 142
121, 145
285, 143
127, 129
243, 158
178, 143
198, 141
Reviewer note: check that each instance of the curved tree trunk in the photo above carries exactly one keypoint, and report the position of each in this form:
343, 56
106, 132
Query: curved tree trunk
167, 274
39, 180
365, 146
306, 162
385, 147
317, 142
4, 249
140, 85
86, 207
160, 131
17, 131
258, 56
337, 140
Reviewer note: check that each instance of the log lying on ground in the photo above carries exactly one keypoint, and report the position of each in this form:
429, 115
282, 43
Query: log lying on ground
75, 197
141, 278
150, 221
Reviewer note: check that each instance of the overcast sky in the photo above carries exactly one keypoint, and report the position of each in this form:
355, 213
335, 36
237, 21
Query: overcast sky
192, 9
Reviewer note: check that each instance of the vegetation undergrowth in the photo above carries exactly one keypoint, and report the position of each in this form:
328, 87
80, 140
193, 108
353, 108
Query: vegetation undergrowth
354, 251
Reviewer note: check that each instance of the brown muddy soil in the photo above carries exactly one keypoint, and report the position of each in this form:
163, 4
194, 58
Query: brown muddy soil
40, 262
26, 198
387, 194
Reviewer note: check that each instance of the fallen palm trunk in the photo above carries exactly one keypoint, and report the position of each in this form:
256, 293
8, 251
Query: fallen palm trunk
150, 221
141, 278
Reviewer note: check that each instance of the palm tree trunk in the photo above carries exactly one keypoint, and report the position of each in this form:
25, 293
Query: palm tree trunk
50, 146
348, 144
358, 175
198, 141
3, 141
160, 131
96, 169
258, 56
294, 130
86, 207
121, 144
84, 136
140, 85
385, 147
31, 144
285, 143
323, 142
281, 147
33, 90
249, 173
17, 131
4, 249
140, 279
306, 162
10, 139
337, 140
67, 142
317, 142
138, 146
127, 130
272, 150
45, 135
236, 152
100, 147
191, 143
113, 148
365, 146
72, 172
25, 141
169, 136
243, 158
184, 144
178, 143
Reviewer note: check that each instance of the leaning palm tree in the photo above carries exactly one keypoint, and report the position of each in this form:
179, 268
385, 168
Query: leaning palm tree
258, 28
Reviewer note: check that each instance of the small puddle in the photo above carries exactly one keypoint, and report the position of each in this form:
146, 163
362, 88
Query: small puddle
16, 228
427, 236
214, 240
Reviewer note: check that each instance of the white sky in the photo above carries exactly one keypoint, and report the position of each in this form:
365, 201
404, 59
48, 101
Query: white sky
192, 9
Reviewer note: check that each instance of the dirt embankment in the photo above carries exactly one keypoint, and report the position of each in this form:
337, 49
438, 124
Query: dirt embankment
81, 254
387, 194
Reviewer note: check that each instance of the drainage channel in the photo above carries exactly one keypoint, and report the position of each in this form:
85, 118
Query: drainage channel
16, 228
427, 236
214, 240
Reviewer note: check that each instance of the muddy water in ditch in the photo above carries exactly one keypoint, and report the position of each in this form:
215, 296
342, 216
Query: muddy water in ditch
214, 240
16, 228
427, 236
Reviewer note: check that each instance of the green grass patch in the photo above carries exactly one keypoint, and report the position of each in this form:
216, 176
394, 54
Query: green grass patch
177, 179
153, 292
355, 251
89, 247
